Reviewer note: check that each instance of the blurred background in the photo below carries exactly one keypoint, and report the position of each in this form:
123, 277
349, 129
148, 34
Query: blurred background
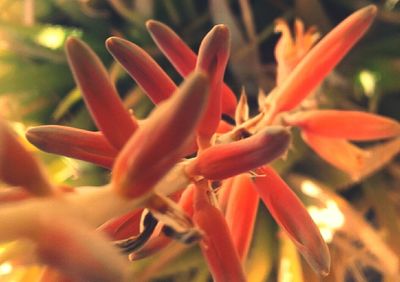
358, 218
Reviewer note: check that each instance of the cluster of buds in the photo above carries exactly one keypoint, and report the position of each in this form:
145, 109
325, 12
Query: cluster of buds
183, 173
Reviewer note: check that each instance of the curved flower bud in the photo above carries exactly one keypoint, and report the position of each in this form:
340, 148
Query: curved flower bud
144, 160
292, 216
184, 59
314, 67
72, 142
241, 213
142, 68
226, 160
99, 93
213, 57
216, 245
349, 125
18, 167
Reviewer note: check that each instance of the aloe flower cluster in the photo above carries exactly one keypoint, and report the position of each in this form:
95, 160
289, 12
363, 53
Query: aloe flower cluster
183, 173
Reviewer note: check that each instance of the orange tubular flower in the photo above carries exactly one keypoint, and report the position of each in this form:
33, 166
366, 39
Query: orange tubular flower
147, 161
72, 142
292, 216
142, 68
184, 59
216, 245
213, 57
226, 160
18, 167
338, 152
313, 68
99, 93
144, 160
241, 213
349, 125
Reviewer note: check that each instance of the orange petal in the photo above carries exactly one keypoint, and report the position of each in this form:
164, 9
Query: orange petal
289, 51
142, 68
216, 245
224, 127
99, 93
241, 213
224, 193
349, 125
242, 109
123, 226
72, 142
338, 152
284, 51
317, 64
184, 59
226, 160
292, 216
213, 57
163, 140
18, 167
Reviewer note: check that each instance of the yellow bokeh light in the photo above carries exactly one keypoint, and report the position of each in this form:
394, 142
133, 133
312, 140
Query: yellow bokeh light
286, 269
5, 268
328, 218
310, 188
368, 82
51, 37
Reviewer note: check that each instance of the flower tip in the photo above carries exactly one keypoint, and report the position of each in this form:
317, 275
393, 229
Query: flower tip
321, 262
73, 44
115, 44
114, 41
32, 134
370, 10
219, 32
221, 29
150, 24
156, 27
110, 40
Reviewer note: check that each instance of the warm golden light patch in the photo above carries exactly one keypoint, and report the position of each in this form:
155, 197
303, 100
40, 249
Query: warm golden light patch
368, 82
328, 219
5, 268
51, 37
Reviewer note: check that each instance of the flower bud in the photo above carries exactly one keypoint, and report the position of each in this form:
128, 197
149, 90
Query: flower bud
226, 160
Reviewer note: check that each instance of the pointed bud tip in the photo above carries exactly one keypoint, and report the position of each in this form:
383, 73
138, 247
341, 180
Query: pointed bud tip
72, 43
152, 24
113, 41
370, 10
76, 49
220, 31
32, 134
117, 45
